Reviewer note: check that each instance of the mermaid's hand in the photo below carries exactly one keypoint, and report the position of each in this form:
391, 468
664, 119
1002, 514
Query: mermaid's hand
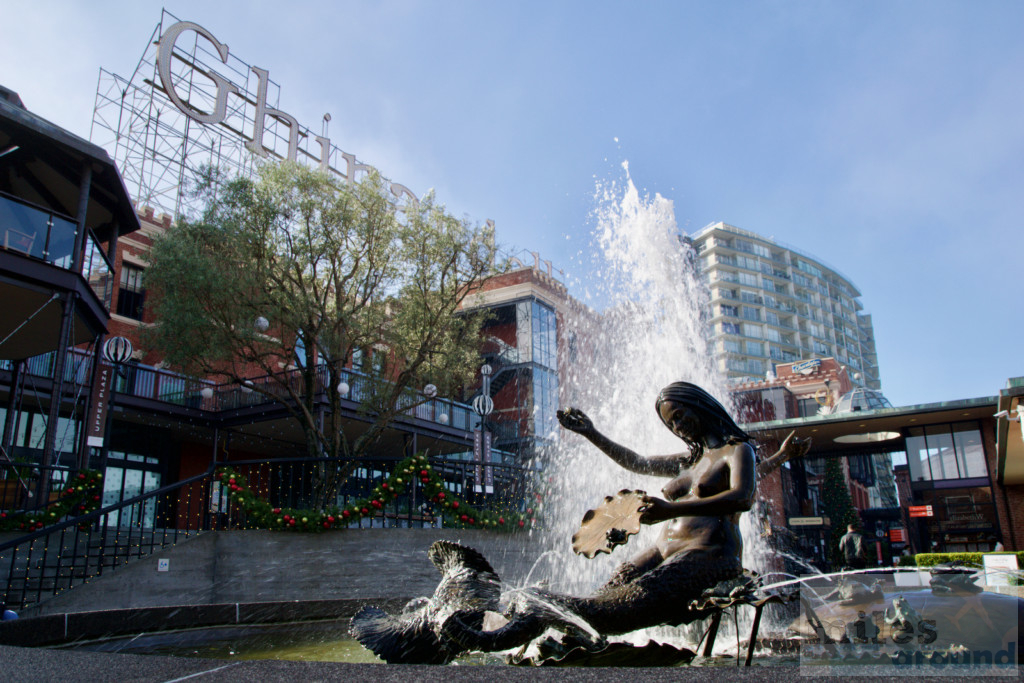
656, 510
575, 420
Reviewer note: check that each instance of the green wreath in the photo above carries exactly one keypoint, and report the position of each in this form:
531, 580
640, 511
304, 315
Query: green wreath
457, 512
80, 496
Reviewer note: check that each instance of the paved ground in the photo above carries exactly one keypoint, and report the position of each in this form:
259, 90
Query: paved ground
36, 664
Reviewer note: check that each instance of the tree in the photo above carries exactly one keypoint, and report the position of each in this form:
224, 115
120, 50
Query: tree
835, 497
294, 274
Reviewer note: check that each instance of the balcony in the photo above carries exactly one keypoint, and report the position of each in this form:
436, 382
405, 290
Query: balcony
53, 184
173, 389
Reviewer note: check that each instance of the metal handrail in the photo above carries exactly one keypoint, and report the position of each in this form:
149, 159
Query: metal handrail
73, 559
42, 563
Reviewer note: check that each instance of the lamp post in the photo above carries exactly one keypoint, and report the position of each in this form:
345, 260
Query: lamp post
483, 405
116, 351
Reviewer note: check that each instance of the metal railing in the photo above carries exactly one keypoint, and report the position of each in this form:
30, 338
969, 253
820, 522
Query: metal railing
141, 381
44, 563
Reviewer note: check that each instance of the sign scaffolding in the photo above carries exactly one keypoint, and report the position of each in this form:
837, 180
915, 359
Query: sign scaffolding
189, 104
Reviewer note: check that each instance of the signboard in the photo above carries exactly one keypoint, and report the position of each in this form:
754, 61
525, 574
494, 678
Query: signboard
99, 402
218, 498
998, 568
806, 521
483, 473
806, 367
897, 536
189, 102
921, 511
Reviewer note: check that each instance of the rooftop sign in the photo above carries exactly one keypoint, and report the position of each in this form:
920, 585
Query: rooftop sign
191, 103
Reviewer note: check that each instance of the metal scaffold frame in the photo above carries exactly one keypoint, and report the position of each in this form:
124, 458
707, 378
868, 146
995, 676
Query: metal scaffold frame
160, 149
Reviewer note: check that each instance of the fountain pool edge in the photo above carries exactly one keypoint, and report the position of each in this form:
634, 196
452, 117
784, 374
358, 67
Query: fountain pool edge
56, 629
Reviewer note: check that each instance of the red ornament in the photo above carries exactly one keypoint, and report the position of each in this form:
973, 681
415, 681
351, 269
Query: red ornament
455, 504
345, 513
440, 496
375, 503
276, 511
81, 476
424, 473
327, 525
472, 521
365, 511
384, 485
521, 523
330, 518
529, 511
464, 517
291, 522
501, 520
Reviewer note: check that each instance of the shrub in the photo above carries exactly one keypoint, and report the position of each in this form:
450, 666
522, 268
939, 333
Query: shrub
967, 559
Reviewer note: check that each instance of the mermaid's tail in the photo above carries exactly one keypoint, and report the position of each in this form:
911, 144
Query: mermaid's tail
469, 587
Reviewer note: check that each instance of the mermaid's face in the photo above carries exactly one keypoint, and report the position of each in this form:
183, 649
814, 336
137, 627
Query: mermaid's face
680, 419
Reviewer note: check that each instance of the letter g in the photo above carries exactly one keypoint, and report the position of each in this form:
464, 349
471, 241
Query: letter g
164, 55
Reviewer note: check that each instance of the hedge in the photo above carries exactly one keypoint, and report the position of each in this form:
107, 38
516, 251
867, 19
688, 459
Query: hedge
967, 559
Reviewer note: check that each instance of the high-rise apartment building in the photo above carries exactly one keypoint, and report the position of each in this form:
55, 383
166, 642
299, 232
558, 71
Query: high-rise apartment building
771, 303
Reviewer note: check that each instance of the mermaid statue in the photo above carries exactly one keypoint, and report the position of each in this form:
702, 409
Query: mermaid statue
710, 485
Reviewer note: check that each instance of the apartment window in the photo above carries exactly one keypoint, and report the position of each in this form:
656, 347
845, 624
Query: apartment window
730, 346
744, 262
750, 313
749, 297
730, 328
755, 348
752, 331
772, 335
748, 279
131, 295
771, 318
729, 310
808, 268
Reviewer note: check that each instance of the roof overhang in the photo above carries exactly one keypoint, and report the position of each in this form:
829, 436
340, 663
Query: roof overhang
832, 432
42, 163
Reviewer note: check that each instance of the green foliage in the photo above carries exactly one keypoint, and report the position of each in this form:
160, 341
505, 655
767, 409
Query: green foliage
967, 559
838, 506
81, 495
339, 271
457, 512
907, 561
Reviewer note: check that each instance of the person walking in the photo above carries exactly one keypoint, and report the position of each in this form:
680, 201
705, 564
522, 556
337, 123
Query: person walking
851, 545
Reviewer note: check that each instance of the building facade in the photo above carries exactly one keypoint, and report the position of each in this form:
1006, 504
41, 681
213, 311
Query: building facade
774, 304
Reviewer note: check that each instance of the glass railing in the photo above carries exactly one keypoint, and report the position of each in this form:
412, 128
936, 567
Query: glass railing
50, 237
35, 232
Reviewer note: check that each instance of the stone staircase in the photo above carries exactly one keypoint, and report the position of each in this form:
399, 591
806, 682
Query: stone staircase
50, 565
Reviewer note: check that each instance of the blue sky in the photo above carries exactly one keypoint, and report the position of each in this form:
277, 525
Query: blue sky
883, 138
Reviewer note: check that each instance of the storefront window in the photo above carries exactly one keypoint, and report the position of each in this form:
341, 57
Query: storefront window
943, 452
970, 453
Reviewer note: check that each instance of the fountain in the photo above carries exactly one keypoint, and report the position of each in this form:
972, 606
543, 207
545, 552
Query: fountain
652, 337
652, 334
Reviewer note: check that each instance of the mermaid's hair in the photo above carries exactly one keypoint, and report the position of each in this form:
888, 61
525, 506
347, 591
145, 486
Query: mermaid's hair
713, 415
